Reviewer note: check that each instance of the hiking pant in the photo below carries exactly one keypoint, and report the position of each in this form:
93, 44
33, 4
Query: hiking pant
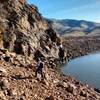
39, 71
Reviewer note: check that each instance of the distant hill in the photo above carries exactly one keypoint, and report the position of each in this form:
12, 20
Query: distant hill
75, 27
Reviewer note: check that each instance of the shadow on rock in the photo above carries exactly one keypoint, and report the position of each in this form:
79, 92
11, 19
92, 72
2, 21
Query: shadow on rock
19, 77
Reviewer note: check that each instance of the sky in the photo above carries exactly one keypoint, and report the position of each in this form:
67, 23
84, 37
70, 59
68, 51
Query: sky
69, 9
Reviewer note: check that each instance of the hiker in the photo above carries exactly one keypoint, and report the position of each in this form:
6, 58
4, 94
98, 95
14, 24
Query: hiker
39, 69
61, 54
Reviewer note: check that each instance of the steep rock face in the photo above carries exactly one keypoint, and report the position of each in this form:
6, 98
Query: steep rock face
23, 30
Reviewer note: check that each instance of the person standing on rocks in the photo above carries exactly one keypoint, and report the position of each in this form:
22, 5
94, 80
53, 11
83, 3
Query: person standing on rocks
40, 66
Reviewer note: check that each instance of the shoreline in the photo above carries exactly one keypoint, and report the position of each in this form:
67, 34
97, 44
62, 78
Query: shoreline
91, 53
80, 46
66, 65
87, 51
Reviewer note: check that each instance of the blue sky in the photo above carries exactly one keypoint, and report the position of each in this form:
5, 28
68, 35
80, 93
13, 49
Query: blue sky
69, 9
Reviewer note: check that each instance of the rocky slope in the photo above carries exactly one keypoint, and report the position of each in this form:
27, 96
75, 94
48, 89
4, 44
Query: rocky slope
18, 82
69, 27
25, 35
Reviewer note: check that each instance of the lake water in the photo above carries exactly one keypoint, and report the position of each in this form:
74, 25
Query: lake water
85, 69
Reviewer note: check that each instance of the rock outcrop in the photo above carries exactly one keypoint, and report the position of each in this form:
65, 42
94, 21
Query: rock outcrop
23, 30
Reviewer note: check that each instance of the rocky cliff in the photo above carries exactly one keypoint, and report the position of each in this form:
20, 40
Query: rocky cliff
23, 30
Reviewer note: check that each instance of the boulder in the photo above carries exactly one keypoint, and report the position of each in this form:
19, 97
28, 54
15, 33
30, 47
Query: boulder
4, 84
50, 98
83, 93
3, 71
70, 89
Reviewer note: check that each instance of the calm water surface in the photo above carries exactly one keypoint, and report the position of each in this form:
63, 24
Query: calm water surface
85, 69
